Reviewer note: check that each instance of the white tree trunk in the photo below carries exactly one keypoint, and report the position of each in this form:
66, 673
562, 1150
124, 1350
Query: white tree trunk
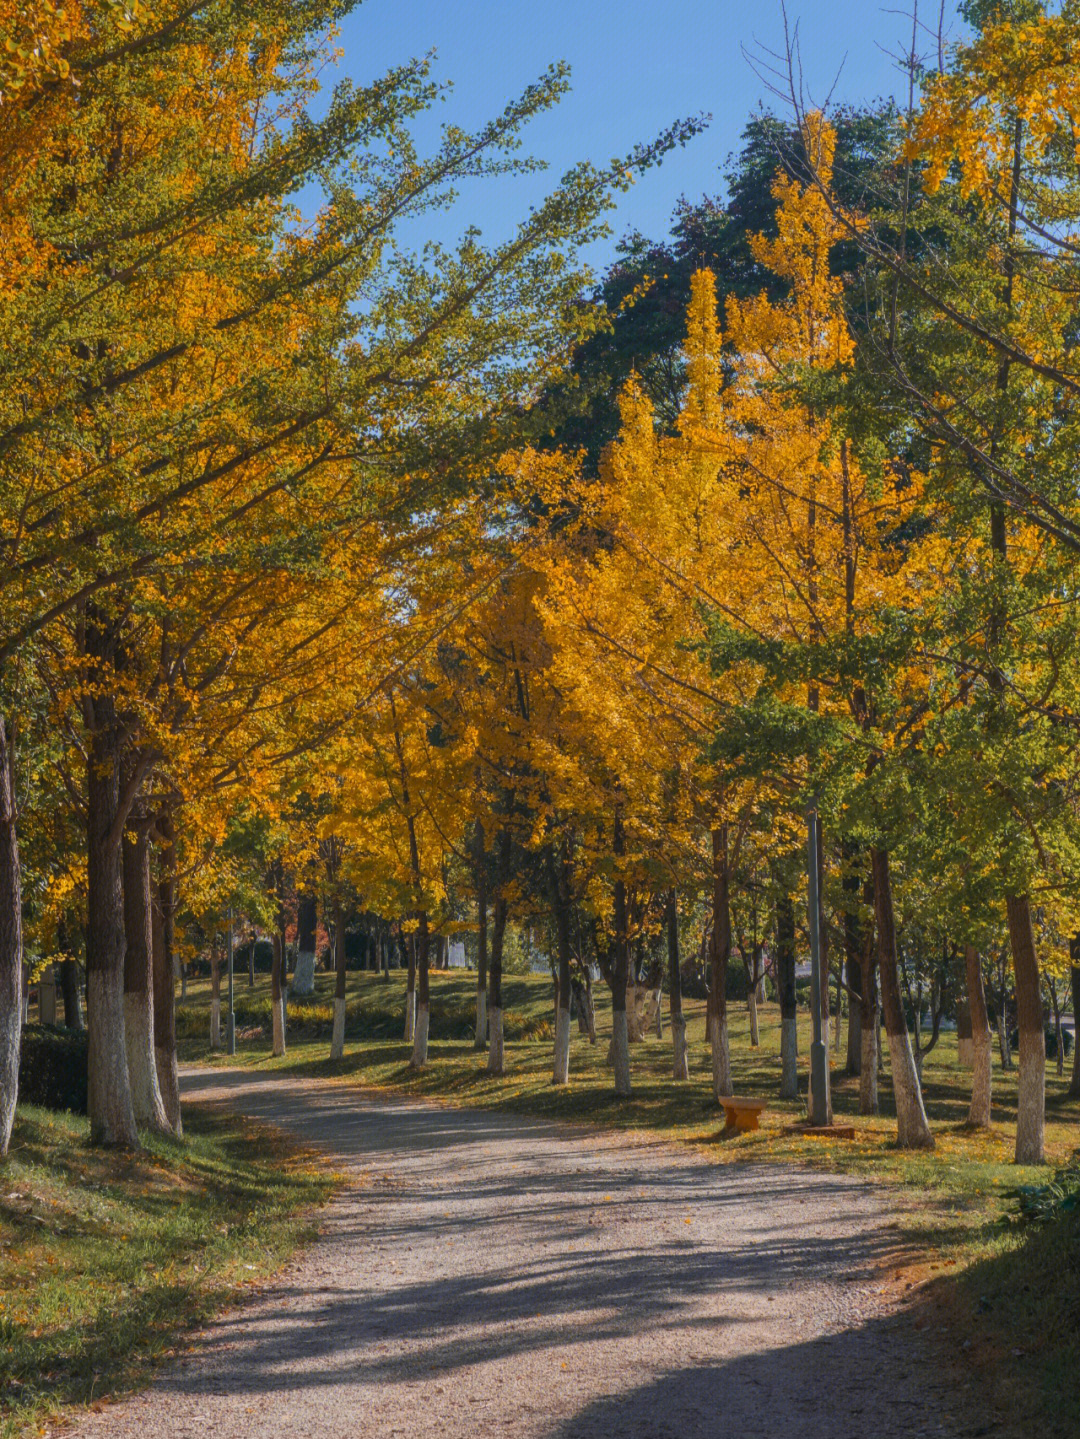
337, 1042
678, 1044
277, 1016
658, 1018
303, 980
481, 1016
1031, 1103
562, 1047
142, 1066
496, 1055
721, 1060
789, 1057
420, 1037
982, 1079
620, 1050
215, 1023
109, 1091
868, 1069
912, 1127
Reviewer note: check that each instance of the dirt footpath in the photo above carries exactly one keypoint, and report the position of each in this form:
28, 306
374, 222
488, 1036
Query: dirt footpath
495, 1276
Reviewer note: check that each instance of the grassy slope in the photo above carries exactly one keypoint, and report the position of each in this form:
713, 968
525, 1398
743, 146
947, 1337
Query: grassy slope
105, 1257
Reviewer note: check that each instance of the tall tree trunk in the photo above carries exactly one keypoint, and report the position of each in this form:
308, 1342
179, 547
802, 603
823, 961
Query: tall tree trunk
912, 1128
496, 1050
719, 954
278, 1015
752, 1004
869, 1020
11, 953
1031, 1089
307, 918
112, 1115
620, 1034
678, 1019
423, 994
163, 930
480, 1041
1074, 975
337, 1043
215, 997
981, 1045
410, 989
560, 900
965, 1038
70, 987
852, 960
139, 984
785, 984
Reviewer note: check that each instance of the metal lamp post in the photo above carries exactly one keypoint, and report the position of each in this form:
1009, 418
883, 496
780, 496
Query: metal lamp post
819, 1059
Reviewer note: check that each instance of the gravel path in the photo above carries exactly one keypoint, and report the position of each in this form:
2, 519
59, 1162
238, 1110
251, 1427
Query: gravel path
494, 1276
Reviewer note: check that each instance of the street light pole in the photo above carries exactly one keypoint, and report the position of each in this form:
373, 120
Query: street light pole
819, 1059
230, 1028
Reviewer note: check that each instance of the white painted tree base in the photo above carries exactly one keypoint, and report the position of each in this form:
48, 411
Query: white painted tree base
1031, 1100
146, 1098
789, 1058
620, 1053
112, 1116
868, 1070
721, 1059
982, 1081
496, 1054
337, 1041
169, 1084
965, 1053
420, 1037
303, 980
912, 1129
277, 1015
561, 1073
481, 1017
681, 1053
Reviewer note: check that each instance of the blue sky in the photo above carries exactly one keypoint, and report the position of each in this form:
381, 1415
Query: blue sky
636, 67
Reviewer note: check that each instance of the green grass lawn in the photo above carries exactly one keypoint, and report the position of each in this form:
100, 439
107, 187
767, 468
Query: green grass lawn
971, 1167
105, 1258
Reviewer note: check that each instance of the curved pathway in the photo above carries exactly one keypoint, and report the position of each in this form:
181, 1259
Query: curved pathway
487, 1275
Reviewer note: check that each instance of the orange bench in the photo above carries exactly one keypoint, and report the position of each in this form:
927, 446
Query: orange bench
742, 1114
